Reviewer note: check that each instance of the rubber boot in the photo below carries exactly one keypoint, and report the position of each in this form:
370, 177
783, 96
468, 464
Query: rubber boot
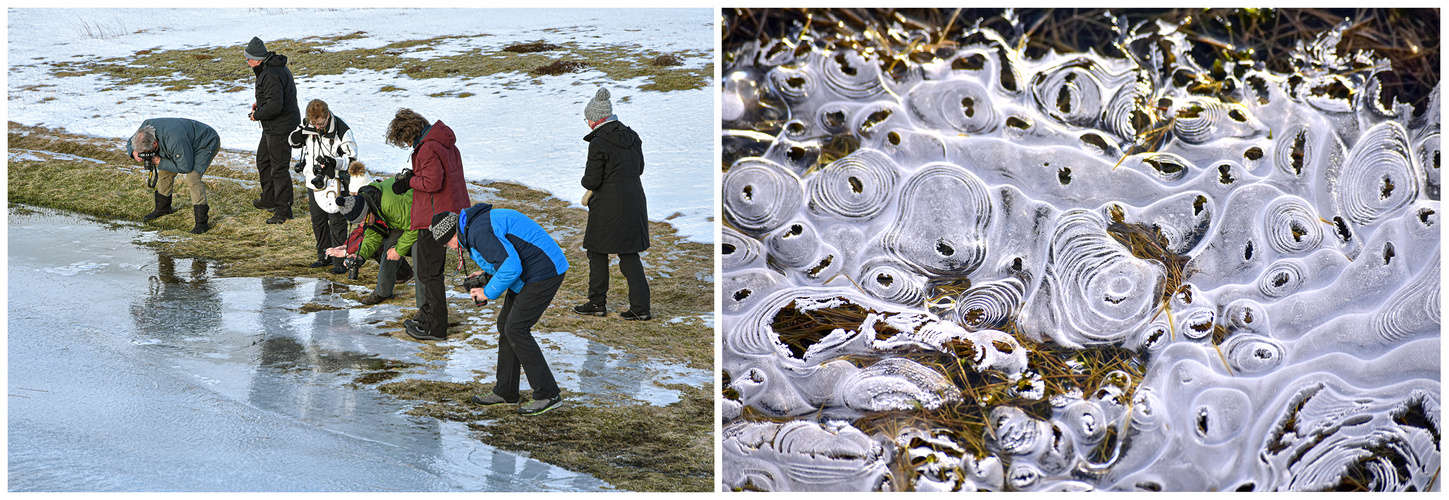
200, 212
163, 207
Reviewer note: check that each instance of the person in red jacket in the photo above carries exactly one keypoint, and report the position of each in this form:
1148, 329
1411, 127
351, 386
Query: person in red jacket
436, 179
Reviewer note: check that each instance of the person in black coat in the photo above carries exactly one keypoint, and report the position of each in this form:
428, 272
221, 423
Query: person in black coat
618, 213
276, 108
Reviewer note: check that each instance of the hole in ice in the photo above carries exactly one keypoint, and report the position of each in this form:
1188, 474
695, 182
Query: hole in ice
1237, 115
1424, 216
1388, 252
1064, 175
1279, 280
835, 118
795, 82
1343, 232
1198, 204
795, 230
1254, 153
1064, 97
1202, 421
748, 192
973, 63
845, 66
795, 128
1225, 174
1248, 251
1015, 122
1297, 152
944, 249
968, 106
796, 153
741, 294
884, 279
1297, 230
894, 138
874, 119
1248, 486
824, 263
1388, 188
727, 249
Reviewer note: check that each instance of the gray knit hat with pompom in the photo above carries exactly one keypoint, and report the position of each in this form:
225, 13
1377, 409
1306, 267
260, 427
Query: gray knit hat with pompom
598, 108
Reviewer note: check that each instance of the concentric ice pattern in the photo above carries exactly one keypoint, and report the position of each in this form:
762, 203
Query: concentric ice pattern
909, 255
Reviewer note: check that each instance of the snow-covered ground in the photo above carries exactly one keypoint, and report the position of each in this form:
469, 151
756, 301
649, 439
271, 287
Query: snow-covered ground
523, 133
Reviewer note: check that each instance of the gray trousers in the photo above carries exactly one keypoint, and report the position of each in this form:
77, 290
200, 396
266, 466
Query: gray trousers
387, 269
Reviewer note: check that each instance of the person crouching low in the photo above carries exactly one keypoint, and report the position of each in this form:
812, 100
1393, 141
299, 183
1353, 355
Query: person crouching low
384, 217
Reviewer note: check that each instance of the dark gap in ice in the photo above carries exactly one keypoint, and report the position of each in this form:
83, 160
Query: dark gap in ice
1166, 167
1016, 122
1149, 486
1413, 414
795, 230
1388, 252
799, 329
974, 63
1254, 153
795, 128
1202, 421
1248, 251
1297, 230
1198, 204
1388, 188
1343, 232
741, 294
1140, 121
749, 192
796, 153
1096, 141
968, 106
855, 185
775, 49
844, 64
1237, 115
1260, 87
874, 119
1248, 486
1182, 77
795, 82
1225, 174
1064, 175
943, 248
1016, 264
727, 249
1424, 216
884, 279
1248, 313
1193, 111
1008, 77
1280, 279
835, 118
824, 263
1297, 153
1064, 97
894, 138
1436, 158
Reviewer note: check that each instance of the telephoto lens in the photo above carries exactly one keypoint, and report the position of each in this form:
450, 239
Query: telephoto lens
352, 264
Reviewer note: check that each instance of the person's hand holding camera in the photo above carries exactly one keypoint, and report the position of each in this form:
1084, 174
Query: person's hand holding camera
479, 298
401, 186
327, 162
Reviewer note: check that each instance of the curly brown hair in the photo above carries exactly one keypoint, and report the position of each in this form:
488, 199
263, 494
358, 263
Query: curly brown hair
317, 111
405, 127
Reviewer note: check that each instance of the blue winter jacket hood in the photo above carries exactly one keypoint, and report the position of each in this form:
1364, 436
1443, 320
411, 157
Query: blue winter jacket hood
510, 246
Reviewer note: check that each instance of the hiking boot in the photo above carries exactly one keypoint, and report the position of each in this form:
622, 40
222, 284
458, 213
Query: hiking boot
633, 316
492, 399
322, 262
281, 214
591, 309
338, 268
540, 405
373, 299
262, 206
415, 331
163, 207
404, 275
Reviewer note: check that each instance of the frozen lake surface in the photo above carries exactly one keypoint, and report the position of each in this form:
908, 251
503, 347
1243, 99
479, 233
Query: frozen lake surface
130, 370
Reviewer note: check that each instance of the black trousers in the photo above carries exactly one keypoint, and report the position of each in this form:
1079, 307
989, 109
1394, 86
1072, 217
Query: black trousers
329, 229
633, 270
429, 258
516, 347
273, 154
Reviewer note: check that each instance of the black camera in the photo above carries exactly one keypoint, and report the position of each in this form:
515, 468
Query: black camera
352, 264
477, 281
325, 167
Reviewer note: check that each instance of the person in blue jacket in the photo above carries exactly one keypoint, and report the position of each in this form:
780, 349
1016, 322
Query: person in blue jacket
525, 266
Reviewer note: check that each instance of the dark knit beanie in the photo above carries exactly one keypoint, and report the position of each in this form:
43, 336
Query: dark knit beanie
353, 208
598, 108
256, 50
445, 225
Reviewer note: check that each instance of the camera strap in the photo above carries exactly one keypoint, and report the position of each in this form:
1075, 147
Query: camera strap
151, 175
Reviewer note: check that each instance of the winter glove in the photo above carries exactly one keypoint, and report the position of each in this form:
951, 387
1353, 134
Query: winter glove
298, 167
297, 139
401, 185
327, 162
588, 197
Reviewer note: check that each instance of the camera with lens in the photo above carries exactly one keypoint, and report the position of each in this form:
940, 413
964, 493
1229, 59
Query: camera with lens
477, 281
352, 264
325, 167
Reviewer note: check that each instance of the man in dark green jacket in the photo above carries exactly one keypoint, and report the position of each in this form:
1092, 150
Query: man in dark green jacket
175, 146
374, 202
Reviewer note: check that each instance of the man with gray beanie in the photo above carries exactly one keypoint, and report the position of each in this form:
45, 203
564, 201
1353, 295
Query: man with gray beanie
276, 108
618, 213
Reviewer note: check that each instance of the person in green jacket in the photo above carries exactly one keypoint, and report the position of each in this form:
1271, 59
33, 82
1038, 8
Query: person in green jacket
176, 146
387, 242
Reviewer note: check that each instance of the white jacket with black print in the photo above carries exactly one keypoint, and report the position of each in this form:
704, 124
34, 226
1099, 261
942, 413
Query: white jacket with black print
335, 141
